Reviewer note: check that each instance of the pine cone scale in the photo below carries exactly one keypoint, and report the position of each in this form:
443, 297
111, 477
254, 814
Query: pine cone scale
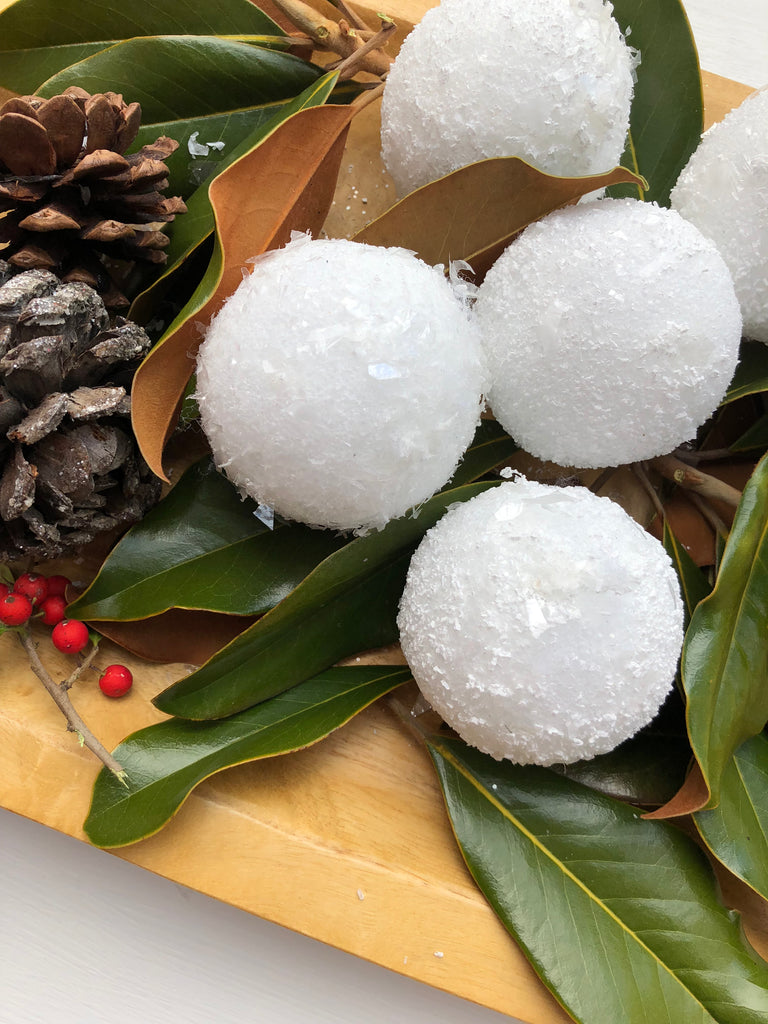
65, 124
70, 467
24, 145
17, 487
41, 421
70, 196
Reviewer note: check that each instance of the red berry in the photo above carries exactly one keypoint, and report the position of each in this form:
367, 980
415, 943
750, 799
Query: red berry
57, 586
70, 636
33, 586
15, 609
4, 589
53, 609
116, 681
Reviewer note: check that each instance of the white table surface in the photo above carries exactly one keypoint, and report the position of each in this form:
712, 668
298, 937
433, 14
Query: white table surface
183, 957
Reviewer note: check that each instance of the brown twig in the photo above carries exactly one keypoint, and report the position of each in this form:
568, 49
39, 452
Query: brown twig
64, 704
355, 62
638, 468
709, 514
353, 18
600, 481
336, 37
368, 95
694, 480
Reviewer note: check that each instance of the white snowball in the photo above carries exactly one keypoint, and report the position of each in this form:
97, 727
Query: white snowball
612, 332
341, 383
549, 81
542, 623
723, 190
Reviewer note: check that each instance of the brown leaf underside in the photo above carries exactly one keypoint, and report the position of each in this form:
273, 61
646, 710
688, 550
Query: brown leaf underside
475, 212
178, 635
286, 184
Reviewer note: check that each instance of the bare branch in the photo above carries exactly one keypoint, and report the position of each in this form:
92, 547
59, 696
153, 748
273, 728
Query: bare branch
64, 704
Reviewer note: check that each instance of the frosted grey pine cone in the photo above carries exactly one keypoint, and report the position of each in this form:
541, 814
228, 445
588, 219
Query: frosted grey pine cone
69, 464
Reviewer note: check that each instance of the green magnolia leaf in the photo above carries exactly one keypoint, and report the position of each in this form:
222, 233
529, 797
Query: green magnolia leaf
618, 915
755, 438
693, 583
751, 375
725, 655
185, 76
667, 115
34, 23
736, 831
347, 604
490, 446
165, 762
203, 548
189, 232
23, 71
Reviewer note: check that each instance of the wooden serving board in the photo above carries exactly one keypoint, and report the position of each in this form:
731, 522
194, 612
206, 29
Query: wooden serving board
346, 841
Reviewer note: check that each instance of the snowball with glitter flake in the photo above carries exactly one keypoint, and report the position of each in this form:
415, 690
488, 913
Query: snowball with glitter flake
612, 332
723, 190
543, 623
549, 81
341, 383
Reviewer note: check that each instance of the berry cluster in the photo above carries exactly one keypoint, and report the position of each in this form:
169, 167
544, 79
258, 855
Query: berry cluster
44, 598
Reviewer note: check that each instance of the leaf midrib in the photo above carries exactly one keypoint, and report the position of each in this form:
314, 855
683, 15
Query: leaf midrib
596, 901
157, 576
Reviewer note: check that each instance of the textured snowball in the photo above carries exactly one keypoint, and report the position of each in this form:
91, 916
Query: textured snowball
549, 81
724, 192
612, 331
341, 383
542, 623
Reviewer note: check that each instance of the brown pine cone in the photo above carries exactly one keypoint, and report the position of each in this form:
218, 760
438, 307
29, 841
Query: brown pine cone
72, 201
69, 464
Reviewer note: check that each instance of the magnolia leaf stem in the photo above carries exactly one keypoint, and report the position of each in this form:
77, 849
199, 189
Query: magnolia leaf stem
58, 692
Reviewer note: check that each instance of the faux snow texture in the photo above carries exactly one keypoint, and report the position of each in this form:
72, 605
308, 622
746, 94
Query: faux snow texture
542, 623
341, 383
723, 190
612, 332
549, 81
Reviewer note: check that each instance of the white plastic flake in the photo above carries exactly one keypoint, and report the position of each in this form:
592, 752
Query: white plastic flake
723, 190
612, 331
549, 81
546, 636
341, 383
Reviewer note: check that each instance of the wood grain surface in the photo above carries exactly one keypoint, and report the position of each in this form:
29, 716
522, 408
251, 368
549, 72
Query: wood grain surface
346, 841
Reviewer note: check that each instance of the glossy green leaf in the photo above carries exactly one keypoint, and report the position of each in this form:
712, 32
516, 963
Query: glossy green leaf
188, 233
751, 375
753, 439
667, 115
490, 446
203, 548
725, 655
736, 831
693, 583
347, 604
23, 71
33, 23
165, 762
618, 915
185, 76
